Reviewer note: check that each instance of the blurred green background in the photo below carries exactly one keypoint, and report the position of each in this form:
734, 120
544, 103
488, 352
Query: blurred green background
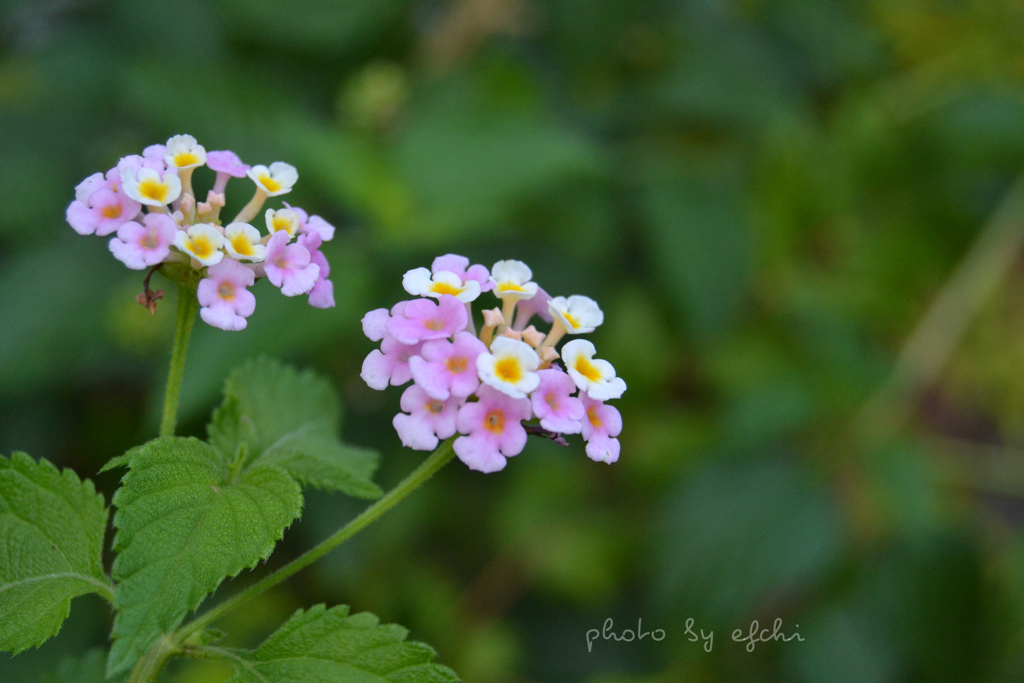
767, 198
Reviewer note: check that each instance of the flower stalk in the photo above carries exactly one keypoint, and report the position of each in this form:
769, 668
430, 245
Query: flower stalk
188, 306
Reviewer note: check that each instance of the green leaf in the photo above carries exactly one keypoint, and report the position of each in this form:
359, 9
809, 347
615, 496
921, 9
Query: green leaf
288, 418
52, 525
183, 526
325, 645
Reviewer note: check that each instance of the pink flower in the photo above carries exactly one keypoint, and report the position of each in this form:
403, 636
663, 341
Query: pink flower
227, 165
389, 364
311, 224
322, 294
446, 369
226, 301
96, 181
135, 162
494, 430
288, 267
139, 246
459, 265
103, 213
527, 308
422, 320
600, 427
375, 322
554, 404
428, 421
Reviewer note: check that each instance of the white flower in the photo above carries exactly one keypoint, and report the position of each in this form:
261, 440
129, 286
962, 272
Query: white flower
184, 152
420, 282
202, 242
278, 179
579, 314
148, 187
242, 241
282, 219
509, 367
512, 280
595, 377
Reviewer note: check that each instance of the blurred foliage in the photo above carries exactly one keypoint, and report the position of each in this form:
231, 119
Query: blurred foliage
763, 195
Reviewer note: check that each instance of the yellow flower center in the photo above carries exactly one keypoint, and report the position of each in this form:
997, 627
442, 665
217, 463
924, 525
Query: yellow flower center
182, 159
573, 322
202, 247
153, 189
226, 292
510, 287
435, 324
495, 421
592, 416
457, 365
552, 400
149, 241
435, 407
445, 288
587, 369
111, 211
241, 244
269, 183
508, 369
281, 223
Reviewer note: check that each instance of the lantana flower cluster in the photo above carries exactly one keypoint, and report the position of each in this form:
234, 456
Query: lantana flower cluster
495, 387
148, 203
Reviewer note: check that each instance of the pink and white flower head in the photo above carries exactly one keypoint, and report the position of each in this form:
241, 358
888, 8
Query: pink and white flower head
446, 368
203, 242
225, 301
149, 187
277, 179
183, 152
227, 165
553, 403
389, 364
282, 219
421, 282
512, 280
428, 419
322, 294
423, 320
140, 246
600, 426
178, 231
242, 242
596, 378
509, 367
493, 430
102, 213
287, 266
504, 376
453, 263
579, 314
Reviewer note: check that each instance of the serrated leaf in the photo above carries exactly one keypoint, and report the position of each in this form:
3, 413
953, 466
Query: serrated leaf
289, 418
323, 645
183, 527
52, 526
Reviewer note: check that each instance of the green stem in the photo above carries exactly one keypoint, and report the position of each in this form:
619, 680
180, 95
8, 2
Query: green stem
416, 478
188, 306
148, 668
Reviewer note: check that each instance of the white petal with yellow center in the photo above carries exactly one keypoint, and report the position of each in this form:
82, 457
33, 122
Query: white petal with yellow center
184, 152
579, 314
242, 241
509, 367
148, 187
512, 280
203, 242
593, 376
420, 282
282, 219
276, 179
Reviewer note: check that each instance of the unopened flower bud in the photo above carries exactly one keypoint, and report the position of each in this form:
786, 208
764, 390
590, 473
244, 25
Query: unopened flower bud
532, 337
